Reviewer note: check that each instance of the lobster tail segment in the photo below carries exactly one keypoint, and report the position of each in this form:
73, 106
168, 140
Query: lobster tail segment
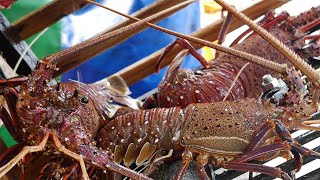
136, 136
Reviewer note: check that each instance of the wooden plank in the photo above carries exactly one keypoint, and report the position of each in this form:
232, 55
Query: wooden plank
42, 18
154, 8
82, 57
11, 51
145, 66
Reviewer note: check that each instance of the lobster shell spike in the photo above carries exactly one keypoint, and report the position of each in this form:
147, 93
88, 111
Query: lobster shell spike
145, 153
311, 73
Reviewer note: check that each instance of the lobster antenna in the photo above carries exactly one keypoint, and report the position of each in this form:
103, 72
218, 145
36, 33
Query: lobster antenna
310, 72
27, 49
280, 68
93, 42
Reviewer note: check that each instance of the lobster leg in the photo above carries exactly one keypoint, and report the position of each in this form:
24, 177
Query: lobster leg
10, 120
297, 150
104, 160
186, 159
10, 153
13, 82
275, 172
224, 29
267, 21
259, 152
40, 147
306, 28
7, 121
258, 139
202, 160
185, 44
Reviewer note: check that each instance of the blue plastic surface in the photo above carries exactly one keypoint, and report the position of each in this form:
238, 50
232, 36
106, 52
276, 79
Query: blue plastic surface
141, 45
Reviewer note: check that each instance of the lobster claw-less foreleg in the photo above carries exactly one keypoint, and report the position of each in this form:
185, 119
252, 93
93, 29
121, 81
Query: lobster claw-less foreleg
252, 152
92, 155
104, 160
41, 147
186, 45
10, 120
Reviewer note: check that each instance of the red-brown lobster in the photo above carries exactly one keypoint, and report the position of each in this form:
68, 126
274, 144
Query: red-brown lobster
219, 79
226, 134
64, 117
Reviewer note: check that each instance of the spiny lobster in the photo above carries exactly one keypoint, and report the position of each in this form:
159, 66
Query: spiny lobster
229, 77
64, 117
226, 134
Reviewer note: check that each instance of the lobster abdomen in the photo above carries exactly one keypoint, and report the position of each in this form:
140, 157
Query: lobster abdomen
136, 136
210, 85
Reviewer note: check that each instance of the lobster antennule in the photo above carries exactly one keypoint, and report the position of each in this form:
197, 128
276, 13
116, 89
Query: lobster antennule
294, 59
95, 41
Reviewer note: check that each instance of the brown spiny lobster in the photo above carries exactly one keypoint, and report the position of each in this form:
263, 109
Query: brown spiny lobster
226, 134
65, 117
229, 77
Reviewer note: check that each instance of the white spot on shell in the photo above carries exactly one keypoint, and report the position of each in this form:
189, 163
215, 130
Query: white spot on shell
147, 122
128, 124
157, 140
112, 127
197, 91
122, 141
139, 140
181, 97
168, 98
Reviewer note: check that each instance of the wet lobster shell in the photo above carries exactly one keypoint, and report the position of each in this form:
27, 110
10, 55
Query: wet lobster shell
212, 84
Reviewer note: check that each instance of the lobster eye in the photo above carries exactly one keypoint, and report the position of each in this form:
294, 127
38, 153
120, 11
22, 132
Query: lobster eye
84, 100
274, 100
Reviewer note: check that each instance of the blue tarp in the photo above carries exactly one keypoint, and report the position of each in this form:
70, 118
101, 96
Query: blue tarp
94, 19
